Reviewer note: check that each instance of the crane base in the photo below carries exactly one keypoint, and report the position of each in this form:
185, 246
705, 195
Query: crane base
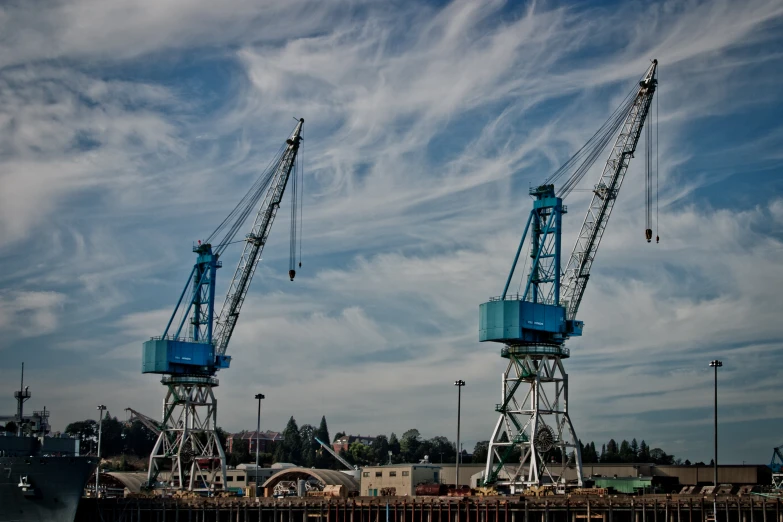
188, 443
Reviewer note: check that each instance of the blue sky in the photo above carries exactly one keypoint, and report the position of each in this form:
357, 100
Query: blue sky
128, 131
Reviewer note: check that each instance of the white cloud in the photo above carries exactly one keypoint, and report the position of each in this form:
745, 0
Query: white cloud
29, 314
423, 128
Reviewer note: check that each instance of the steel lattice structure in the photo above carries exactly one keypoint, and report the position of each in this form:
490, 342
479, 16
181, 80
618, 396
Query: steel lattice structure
188, 440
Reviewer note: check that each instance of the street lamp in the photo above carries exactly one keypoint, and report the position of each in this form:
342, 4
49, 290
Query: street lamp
716, 364
100, 408
259, 396
459, 384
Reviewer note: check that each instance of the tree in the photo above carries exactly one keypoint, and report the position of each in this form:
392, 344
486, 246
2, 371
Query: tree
309, 445
111, 437
292, 443
323, 459
138, 440
440, 449
409, 444
635, 450
222, 438
240, 453
589, 454
361, 454
87, 432
593, 452
612, 453
626, 453
481, 451
644, 453
658, 456
394, 444
338, 435
11, 427
381, 448
323, 431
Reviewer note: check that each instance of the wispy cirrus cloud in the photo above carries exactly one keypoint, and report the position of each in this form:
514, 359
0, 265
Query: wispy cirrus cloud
130, 131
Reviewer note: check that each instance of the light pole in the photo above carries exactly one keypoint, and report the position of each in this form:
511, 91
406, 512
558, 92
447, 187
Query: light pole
259, 396
459, 384
100, 408
716, 364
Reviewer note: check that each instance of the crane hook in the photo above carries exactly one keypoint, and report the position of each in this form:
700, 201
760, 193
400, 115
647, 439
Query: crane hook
648, 234
292, 274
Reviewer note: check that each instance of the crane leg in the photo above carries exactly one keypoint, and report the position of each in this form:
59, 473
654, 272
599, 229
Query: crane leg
534, 426
188, 446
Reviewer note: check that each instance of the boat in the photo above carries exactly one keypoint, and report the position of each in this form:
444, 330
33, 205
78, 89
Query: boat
42, 478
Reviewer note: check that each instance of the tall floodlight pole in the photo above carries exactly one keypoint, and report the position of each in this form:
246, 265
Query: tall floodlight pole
100, 408
459, 384
259, 396
716, 364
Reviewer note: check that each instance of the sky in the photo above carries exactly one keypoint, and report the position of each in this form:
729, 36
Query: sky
129, 130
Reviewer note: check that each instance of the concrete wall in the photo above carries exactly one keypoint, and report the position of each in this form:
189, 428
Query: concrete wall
402, 477
687, 475
466, 470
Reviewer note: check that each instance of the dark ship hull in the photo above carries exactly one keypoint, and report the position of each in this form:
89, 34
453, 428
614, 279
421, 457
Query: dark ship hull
56, 486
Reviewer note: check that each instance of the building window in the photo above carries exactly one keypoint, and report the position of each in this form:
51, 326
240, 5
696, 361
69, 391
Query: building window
240, 478
217, 479
229, 479
406, 473
392, 473
379, 473
366, 474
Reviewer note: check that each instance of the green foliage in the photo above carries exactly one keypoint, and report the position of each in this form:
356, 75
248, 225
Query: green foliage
87, 432
308, 445
409, 445
644, 452
338, 435
481, 452
112, 442
394, 444
290, 450
138, 440
381, 448
323, 431
240, 452
361, 454
626, 452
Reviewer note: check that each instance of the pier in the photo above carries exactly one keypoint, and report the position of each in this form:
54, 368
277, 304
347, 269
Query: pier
653, 508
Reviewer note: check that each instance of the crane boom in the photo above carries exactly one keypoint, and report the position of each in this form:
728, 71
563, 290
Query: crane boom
577, 271
254, 244
148, 422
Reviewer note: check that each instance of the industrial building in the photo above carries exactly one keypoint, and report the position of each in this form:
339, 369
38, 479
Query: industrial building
648, 476
397, 479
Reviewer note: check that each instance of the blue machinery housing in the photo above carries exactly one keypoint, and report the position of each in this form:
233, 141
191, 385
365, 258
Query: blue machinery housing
536, 317
193, 355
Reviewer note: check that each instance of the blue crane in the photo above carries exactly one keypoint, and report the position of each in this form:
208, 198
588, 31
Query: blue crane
533, 326
776, 465
192, 348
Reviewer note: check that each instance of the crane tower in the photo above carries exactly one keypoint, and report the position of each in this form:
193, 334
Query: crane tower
193, 345
534, 425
